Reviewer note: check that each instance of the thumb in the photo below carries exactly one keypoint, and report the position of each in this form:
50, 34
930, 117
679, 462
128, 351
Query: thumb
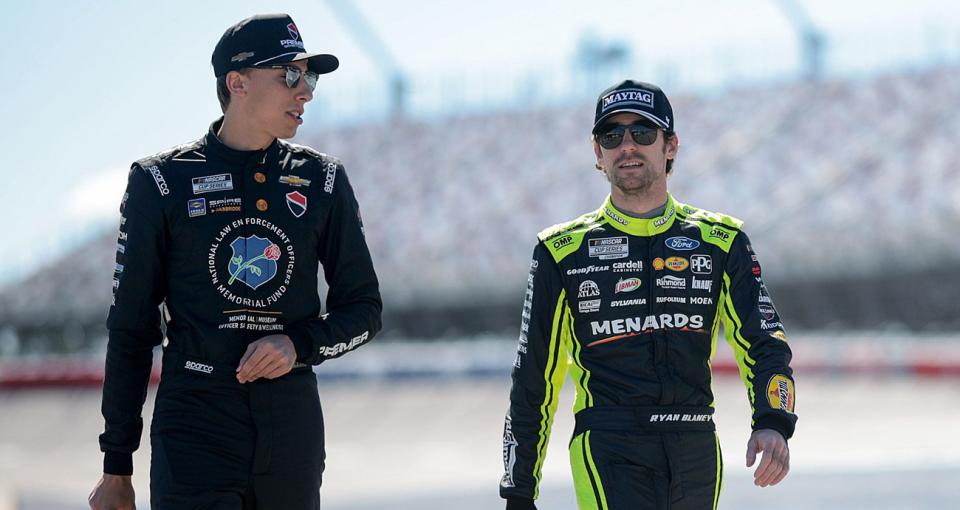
753, 447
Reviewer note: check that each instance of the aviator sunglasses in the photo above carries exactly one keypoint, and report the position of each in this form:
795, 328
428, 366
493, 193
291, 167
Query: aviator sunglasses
612, 136
294, 74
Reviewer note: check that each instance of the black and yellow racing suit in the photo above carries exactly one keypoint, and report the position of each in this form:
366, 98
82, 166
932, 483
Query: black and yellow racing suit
631, 309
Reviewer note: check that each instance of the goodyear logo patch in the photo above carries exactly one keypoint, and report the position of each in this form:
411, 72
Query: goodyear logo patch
780, 393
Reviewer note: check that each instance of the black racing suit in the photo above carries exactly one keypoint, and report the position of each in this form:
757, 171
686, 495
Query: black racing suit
229, 242
631, 308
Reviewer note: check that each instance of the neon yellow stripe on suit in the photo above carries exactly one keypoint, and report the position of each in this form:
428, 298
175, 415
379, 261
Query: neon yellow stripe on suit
740, 345
554, 372
586, 479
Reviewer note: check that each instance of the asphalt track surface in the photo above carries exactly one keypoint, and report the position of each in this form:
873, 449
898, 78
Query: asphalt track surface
431, 443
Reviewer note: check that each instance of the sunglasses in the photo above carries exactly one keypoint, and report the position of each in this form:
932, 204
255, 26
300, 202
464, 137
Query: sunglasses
612, 136
294, 74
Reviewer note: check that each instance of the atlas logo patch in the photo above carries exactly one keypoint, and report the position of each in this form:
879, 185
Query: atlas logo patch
297, 203
196, 207
682, 243
606, 248
588, 289
780, 393
701, 264
211, 183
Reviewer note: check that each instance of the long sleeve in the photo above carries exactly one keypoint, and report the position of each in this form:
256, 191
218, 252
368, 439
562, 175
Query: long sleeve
754, 331
538, 374
353, 301
134, 318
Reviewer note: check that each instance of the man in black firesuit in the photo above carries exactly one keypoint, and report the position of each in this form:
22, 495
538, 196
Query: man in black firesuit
628, 299
227, 233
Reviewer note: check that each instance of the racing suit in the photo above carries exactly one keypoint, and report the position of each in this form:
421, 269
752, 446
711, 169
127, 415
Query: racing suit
229, 242
631, 308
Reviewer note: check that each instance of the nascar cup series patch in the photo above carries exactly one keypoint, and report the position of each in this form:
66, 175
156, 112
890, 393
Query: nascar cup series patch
780, 393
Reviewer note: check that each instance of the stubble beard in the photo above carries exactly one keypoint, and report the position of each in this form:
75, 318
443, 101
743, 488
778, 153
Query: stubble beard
635, 184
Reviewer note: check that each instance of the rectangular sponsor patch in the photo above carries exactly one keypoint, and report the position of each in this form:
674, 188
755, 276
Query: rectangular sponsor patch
606, 248
210, 183
196, 207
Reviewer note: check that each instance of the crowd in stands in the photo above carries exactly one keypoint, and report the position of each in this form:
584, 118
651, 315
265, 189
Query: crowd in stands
833, 178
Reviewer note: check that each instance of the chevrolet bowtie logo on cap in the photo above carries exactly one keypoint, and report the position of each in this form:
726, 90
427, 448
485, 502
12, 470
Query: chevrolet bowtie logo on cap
266, 40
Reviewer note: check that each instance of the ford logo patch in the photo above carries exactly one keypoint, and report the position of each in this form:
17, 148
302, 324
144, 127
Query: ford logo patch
681, 243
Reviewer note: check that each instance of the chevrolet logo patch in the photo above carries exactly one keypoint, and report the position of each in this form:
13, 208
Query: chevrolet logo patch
293, 180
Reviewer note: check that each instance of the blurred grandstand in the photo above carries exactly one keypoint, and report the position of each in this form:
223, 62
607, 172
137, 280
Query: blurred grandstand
849, 190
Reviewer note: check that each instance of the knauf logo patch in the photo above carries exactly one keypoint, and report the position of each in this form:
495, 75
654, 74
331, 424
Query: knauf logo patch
644, 97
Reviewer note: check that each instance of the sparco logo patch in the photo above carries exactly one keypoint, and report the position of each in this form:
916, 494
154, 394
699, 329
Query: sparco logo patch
331, 168
198, 367
158, 178
606, 248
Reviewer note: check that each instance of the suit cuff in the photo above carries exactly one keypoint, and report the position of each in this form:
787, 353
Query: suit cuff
520, 504
116, 463
783, 426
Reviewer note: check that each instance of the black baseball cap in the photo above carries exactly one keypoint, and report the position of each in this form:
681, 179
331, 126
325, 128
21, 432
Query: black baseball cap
644, 99
263, 40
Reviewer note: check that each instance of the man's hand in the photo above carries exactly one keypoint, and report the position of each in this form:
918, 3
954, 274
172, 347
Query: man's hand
113, 492
775, 463
269, 357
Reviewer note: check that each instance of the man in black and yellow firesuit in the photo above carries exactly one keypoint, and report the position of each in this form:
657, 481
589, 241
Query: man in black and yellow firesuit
629, 299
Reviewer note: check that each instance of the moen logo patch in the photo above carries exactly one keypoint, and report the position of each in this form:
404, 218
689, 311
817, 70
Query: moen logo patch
780, 393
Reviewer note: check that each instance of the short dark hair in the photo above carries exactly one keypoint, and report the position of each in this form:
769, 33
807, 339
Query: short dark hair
667, 135
223, 93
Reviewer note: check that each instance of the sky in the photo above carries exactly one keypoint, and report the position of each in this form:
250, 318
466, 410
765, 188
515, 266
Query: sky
89, 87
